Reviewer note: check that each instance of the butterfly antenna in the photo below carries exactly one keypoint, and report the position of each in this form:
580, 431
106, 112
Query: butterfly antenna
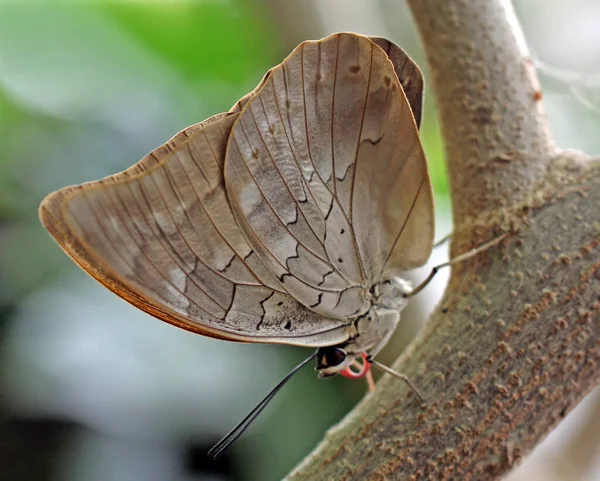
456, 260
384, 368
237, 431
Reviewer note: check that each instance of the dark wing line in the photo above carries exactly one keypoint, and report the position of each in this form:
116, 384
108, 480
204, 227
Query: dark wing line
220, 166
281, 175
362, 123
227, 266
319, 299
118, 285
104, 234
177, 258
315, 168
295, 256
340, 300
243, 259
263, 194
129, 265
258, 238
328, 213
233, 300
324, 276
169, 176
262, 306
337, 60
403, 226
304, 182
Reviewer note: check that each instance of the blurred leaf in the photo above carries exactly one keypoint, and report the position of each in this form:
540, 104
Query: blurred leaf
222, 40
432, 143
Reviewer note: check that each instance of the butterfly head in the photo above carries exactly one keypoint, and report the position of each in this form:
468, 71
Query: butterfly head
332, 359
372, 329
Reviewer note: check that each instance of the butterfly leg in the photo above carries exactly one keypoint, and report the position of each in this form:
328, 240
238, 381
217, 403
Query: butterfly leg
370, 381
456, 260
442, 241
405, 378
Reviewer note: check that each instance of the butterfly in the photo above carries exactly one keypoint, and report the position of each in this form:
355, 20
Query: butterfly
286, 220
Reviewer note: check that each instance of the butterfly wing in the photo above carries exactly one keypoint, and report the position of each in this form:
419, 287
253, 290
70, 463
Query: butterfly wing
326, 175
408, 72
171, 247
162, 236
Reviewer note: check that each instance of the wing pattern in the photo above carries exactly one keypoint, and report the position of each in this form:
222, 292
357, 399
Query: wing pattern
327, 177
161, 235
247, 226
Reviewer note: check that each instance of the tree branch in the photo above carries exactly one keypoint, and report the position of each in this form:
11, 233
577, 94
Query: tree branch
498, 144
515, 343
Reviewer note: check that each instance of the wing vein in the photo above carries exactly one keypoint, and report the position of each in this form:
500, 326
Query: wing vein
243, 259
282, 177
362, 122
169, 176
179, 199
168, 281
335, 199
104, 234
337, 59
258, 238
177, 259
414, 202
285, 226
306, 186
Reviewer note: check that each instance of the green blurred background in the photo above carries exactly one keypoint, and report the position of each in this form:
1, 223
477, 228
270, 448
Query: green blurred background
91, 388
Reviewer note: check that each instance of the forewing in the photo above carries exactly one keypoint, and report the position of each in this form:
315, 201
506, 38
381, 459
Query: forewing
409, 74
392, 198
237, 107
325, 173
162, 236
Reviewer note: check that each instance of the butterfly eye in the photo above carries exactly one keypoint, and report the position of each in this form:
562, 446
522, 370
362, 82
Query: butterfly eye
332, 357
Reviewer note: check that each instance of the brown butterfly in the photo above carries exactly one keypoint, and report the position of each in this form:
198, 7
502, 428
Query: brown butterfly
285, 220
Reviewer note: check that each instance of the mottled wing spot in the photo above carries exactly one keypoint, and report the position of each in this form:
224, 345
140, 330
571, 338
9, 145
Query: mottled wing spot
374, 142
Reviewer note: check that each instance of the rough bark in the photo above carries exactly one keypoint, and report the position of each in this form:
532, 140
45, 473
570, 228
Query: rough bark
515, 343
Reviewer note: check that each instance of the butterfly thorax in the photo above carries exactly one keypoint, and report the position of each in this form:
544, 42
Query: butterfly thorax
372, 330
